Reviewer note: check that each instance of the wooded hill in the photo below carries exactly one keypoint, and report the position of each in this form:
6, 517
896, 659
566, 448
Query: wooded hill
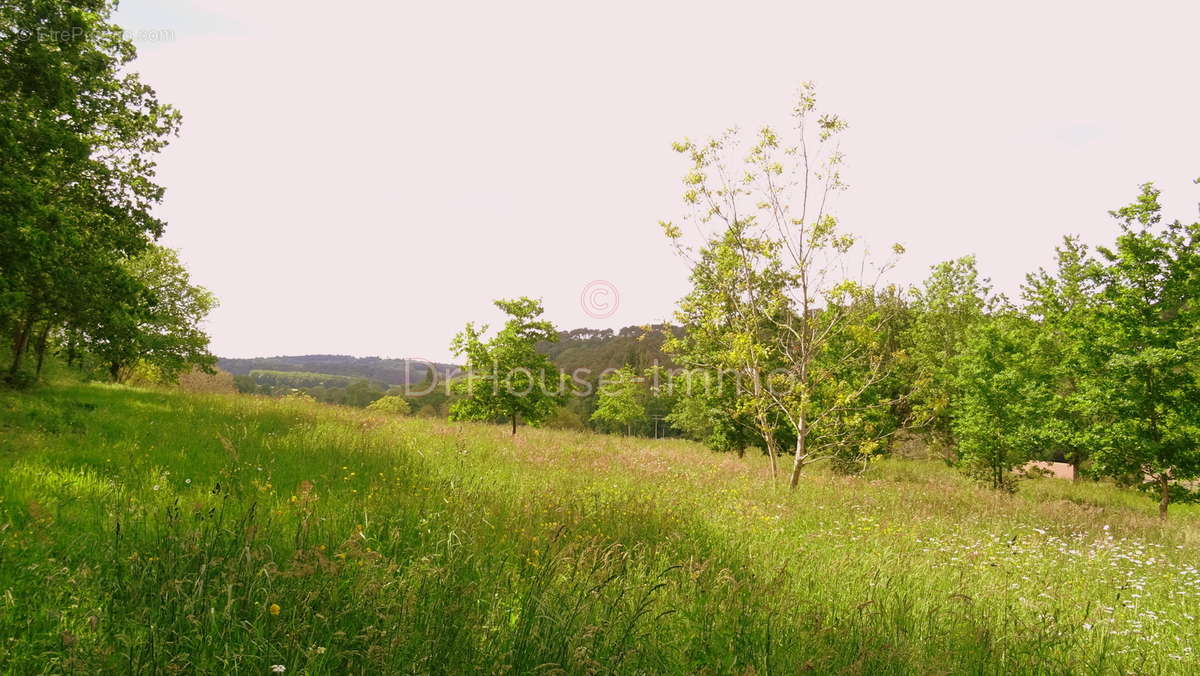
387, 371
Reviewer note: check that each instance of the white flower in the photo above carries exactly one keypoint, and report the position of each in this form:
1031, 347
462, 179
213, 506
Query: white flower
155, 486
278, 668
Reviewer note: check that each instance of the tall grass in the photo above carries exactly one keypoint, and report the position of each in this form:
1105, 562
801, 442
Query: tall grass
149, 531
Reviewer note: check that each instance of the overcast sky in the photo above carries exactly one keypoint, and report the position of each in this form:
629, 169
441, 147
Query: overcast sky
365, 177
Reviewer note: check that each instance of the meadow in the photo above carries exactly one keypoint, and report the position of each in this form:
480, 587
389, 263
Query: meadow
155, 531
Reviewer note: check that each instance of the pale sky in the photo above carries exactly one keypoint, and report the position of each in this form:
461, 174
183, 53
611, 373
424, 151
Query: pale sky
365, 177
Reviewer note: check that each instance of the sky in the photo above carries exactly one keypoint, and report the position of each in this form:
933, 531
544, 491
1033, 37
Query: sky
366, 177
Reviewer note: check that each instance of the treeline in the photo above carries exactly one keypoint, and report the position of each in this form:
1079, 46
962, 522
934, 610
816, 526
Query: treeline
429, 397
792, 341
376, 369
1096, 363
80, 273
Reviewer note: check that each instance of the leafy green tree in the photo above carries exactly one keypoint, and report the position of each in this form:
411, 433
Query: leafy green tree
77, 136
1147, 341
796, 297
996, 421
727, 346
390, 404
706, 409
621, 400
1064, 304
159, 325
506, 377
946, 309
856, 399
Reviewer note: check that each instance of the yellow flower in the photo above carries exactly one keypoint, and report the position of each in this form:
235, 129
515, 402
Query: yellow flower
274, 609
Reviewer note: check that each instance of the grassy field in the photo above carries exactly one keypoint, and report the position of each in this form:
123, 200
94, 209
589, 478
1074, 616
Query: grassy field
160, 532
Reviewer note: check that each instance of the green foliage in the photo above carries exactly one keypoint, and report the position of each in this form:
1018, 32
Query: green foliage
1147, 342
412, 372
948, 307
771, 298
996, 420
298, 379
506, 378
390, 404
160, 326
621, 401
78, 133
706, 408
1065, 304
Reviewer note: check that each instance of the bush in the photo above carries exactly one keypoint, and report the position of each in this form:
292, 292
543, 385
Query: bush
390, 404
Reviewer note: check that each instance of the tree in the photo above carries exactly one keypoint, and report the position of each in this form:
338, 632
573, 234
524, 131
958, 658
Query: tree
506, 377
1147, 343
77, 137
361, 393
726, 346
158, 324
797, 295
1064, 304
706, 409
621, 400
946, 309
999, 403
391, 403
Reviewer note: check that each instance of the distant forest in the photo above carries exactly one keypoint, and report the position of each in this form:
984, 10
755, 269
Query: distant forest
386, 371
360, 381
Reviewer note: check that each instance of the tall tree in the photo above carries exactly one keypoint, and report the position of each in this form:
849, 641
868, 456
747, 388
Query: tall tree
800, 280
996, 420
727, 348
946, 309
1147, 341
77, 137
506, 377
1064, 304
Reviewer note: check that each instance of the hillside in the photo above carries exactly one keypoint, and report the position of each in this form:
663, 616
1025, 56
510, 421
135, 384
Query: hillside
592, 349
378, 369
155, 531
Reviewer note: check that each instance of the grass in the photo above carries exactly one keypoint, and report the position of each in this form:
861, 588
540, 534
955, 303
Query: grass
151, 531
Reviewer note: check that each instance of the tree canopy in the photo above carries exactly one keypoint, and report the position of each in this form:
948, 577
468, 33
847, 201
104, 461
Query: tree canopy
505, 377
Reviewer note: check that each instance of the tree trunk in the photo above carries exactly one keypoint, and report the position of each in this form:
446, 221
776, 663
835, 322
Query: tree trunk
768, 433
514, 424
114, 369
801, 452
41, 348
21, 342
1164, 501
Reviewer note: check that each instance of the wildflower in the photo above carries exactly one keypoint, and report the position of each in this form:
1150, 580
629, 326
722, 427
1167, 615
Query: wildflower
187, 481
278, 668
274, 608
155, 486
320, 650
